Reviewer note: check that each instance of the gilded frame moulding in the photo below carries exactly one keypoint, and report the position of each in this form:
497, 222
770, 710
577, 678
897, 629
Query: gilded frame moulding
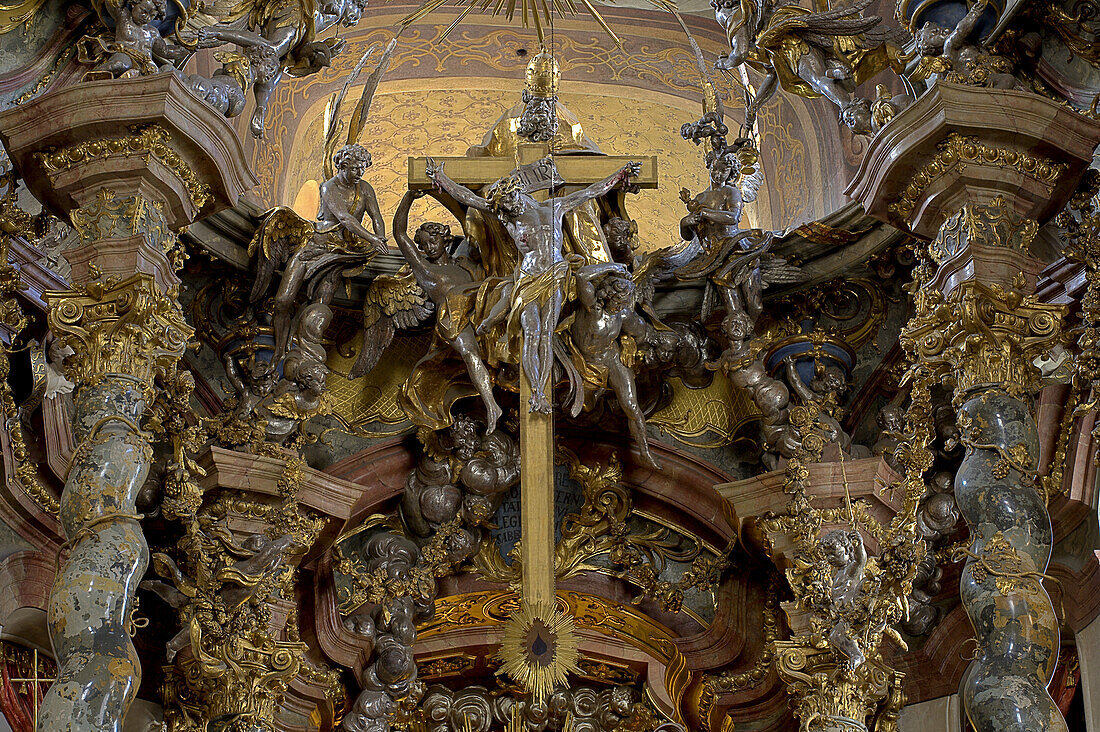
959, 150
151, 140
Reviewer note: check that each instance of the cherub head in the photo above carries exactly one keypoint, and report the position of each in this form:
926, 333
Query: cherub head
464, 435
615, 291
506, 196
738, 326
311, 376
622, 238
837, 548
262, 378
856, 116
830, 380
144, 12
433, 238
931, 38
891, 419
351, 162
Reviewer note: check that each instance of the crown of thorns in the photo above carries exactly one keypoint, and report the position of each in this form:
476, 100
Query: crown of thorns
503, 187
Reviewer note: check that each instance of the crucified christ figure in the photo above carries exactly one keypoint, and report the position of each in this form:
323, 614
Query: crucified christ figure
541, 279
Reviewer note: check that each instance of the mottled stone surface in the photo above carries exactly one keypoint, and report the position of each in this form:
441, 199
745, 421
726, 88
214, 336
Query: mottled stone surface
93, 595
1005, 688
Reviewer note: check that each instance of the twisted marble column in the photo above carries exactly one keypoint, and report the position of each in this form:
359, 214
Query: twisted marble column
1005, 688
93, 595
123, 334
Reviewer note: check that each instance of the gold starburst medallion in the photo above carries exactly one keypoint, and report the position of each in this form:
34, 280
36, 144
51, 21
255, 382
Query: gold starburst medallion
539, 649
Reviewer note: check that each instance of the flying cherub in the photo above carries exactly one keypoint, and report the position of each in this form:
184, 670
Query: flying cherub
290, 28
807, 53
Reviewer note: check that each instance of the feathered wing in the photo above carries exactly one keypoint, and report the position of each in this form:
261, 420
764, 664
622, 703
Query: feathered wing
392, 301
332, 124
281, 233
218, 12
820, 28
660, 266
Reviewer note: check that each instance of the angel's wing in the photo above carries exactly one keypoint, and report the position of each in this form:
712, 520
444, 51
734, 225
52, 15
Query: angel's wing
362, 108
660, 266
281, 233
332, 110
217, 12
392, 301
819, 28
282, 13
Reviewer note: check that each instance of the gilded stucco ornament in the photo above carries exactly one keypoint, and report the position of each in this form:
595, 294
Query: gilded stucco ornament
956, 151
241, 654
480, 709
14, 222
126, 328
144, 140
984, 334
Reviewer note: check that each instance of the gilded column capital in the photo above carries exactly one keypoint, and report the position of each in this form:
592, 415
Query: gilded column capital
984, 334
129, 328
832, 698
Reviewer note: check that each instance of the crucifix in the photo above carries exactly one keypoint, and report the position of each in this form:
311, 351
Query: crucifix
517, 192
36, 682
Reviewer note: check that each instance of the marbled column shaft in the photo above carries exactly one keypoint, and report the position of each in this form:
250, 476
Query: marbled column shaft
93, 595
1005, 688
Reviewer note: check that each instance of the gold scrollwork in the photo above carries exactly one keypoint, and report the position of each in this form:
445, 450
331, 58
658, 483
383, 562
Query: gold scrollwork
958, 151
994, 224
984, 334
151, 140
129, 328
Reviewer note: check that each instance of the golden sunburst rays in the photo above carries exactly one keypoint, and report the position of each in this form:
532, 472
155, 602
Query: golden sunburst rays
539, 13
539, 650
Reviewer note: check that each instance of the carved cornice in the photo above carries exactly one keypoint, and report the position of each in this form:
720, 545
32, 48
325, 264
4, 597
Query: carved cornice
956, 152
144, 141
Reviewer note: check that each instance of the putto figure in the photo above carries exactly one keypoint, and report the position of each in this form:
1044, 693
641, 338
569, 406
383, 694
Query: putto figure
138, 47
605, 294
532, 301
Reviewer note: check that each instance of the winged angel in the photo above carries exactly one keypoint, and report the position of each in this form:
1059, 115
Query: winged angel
275, 37
316, 256
807, 53
738, 262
